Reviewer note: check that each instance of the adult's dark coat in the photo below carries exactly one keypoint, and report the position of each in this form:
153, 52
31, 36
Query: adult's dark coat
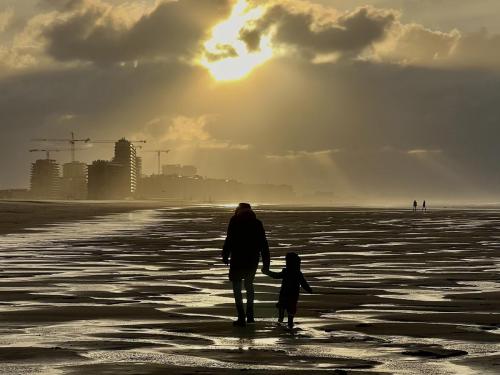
245, 242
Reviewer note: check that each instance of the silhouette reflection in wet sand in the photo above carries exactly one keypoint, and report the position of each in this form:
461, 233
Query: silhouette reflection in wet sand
293, 279
245, 242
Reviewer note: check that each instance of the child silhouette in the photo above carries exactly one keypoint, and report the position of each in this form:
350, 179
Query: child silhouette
293, 279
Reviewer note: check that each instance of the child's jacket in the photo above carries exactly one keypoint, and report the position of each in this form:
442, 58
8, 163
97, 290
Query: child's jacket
290, 288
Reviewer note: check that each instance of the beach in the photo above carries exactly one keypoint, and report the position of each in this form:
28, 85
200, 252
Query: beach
18, 216
142, 290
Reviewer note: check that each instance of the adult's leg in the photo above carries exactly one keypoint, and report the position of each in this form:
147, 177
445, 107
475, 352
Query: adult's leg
250, 296
238, 300
290, 320
281, 314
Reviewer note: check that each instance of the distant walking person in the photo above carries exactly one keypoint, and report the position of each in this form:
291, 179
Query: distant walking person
293, 279
415, 206
424, 207
245, 242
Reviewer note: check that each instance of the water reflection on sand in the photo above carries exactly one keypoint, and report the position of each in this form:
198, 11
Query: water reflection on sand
395, 292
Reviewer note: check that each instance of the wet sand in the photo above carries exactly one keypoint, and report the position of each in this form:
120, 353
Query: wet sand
146, 293
18, 216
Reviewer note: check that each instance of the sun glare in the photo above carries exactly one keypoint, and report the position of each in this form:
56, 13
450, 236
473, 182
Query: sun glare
226, 56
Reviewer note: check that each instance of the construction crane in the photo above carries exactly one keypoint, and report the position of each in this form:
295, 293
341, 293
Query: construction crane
72, 141
109, 141
158, 153
47, 151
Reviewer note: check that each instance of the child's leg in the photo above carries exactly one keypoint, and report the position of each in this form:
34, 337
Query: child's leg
281, 314
290, 320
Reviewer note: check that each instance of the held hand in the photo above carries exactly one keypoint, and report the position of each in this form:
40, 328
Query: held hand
226, 261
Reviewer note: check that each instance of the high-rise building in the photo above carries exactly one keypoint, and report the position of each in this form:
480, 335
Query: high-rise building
138, 163
74, 181
105, 180
116, 179
126, 156
45, 179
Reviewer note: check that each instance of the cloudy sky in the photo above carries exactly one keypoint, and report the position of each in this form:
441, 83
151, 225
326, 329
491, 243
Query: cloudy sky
373, 100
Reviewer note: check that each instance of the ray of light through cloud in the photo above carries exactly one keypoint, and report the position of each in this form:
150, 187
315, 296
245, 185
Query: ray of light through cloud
226, 56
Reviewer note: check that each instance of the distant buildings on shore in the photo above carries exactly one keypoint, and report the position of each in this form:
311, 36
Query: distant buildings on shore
179, 170
45, 180
197, 188
122, 178
74, 181
117, 178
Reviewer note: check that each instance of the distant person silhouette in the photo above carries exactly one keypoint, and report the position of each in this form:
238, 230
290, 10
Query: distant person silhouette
293, 279
424, 207
245, 242
414, 206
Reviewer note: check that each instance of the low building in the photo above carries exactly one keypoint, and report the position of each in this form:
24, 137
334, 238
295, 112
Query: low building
179, 170
199, 189
105, 180
74, 181
15, 194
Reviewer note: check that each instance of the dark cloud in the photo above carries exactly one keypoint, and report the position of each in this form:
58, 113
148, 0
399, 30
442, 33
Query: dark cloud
221, 52
252, 38
349, 33
173, 29
61, 5
379, 32
414, 44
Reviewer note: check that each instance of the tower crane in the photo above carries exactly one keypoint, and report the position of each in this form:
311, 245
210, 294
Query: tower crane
158, 154
72, 141
47, 151
103, 141
109, 141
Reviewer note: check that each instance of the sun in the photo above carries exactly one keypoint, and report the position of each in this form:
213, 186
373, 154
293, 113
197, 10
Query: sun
226, 56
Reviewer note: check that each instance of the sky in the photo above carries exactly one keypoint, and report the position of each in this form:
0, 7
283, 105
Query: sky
371, 100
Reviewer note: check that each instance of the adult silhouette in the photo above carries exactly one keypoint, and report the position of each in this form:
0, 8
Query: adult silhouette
245, 242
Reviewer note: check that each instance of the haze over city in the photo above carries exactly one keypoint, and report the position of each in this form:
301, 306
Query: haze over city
374, 101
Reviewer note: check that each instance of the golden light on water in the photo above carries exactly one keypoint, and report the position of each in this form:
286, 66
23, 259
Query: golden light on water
225, 38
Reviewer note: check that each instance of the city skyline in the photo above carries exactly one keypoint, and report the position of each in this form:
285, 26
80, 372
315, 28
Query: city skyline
122, 178
374, 100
